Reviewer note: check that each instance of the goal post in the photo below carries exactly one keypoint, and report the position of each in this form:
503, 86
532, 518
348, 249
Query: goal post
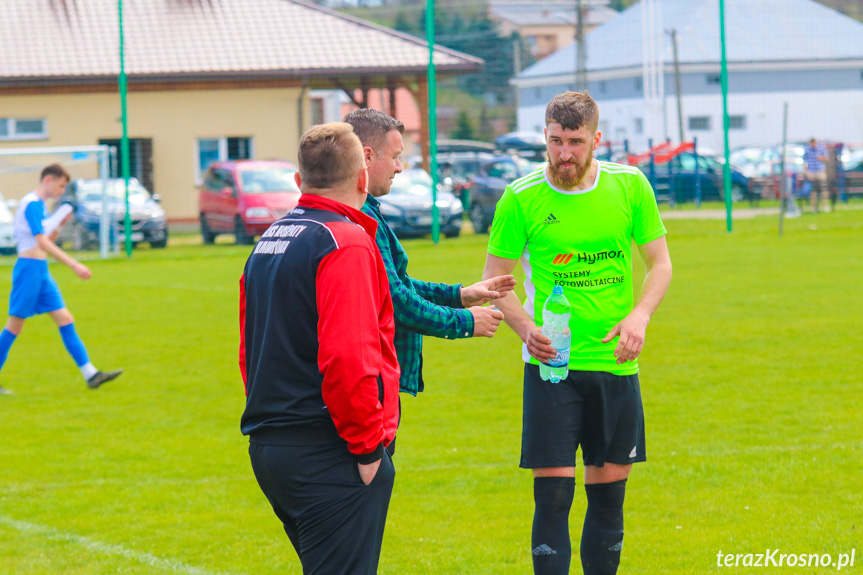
17, 167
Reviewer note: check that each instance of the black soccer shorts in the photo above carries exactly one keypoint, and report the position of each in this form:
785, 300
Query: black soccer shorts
599, 411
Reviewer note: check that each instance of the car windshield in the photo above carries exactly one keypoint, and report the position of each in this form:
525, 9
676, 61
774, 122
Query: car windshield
91, 191
413, 182
269, 180
854, 161
527, 166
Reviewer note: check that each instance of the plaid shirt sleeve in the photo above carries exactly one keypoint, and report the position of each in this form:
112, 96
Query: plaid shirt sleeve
439, 293
416, 313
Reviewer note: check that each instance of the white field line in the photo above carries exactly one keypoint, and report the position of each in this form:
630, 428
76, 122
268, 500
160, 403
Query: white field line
103, 481
171, 565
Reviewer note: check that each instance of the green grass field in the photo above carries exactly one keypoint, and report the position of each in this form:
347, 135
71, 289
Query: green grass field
750, 375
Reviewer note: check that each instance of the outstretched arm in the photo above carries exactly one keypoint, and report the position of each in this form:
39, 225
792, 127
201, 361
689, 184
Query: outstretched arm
538, 345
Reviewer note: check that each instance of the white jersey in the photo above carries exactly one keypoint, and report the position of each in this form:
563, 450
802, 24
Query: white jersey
28, 221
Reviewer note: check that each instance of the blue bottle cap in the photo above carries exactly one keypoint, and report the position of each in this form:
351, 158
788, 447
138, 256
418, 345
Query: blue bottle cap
558, 290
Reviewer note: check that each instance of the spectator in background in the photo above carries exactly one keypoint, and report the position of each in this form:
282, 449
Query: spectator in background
815, 172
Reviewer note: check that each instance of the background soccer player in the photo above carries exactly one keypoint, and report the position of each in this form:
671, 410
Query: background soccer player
579, 217
34, 291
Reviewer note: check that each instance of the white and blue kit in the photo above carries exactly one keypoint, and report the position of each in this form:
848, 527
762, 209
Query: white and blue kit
34, 290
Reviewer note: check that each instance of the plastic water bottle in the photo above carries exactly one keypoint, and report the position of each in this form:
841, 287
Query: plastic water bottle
555, 326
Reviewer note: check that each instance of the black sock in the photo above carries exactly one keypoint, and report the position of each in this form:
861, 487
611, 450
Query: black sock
551, 548
602, 536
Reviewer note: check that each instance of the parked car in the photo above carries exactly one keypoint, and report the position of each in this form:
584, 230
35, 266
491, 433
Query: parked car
244, 197
408, 207
853, 172
710, 172
487, 186
529, 145
7, 236
457, 169
149, 223
520, 141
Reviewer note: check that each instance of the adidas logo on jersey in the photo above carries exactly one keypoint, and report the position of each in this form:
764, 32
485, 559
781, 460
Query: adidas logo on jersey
550, 220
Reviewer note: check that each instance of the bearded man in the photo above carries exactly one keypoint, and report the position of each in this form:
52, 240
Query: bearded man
572, 223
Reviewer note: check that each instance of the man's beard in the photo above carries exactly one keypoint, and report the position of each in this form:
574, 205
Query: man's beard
568, 177
378, 189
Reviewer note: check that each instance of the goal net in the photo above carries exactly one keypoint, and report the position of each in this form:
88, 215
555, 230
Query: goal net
93, 224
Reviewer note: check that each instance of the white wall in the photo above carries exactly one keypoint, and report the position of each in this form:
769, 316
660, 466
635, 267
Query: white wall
827, 115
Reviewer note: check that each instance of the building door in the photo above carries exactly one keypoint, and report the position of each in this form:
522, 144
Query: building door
140, 160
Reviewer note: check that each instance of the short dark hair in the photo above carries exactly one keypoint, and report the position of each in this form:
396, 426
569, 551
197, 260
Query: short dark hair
572, 110
372, 126
56, 171
330, 155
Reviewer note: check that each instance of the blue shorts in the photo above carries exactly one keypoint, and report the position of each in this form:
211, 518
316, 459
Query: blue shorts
34, 291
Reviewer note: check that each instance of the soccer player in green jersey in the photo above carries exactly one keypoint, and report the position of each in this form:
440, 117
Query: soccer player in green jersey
572, 223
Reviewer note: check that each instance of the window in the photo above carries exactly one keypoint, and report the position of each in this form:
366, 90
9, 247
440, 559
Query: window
221, 149
140, 160
504, 170
23, 129
639, 126
639, 83
699, 123
736, 122
317, 111
218, 180
685, 162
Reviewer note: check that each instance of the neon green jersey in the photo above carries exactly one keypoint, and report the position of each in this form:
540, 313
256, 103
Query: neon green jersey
581, 240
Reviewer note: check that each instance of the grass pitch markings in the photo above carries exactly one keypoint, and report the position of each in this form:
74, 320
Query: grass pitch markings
93, 545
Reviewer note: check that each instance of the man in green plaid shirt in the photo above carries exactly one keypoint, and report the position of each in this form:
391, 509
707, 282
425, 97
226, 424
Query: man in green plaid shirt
420, 308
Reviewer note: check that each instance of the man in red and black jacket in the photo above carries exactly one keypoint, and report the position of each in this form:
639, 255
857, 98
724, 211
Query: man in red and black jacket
318, 361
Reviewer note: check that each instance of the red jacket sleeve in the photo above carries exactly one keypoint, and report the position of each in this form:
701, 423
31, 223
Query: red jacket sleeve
349, 352
243, 332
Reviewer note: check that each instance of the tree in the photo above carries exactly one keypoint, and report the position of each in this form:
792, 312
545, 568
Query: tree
621, 5
463, 129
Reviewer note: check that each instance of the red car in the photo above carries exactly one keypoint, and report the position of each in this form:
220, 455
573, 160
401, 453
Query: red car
243, 197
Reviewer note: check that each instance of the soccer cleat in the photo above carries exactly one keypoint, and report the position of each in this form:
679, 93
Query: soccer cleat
4, 391
101, 377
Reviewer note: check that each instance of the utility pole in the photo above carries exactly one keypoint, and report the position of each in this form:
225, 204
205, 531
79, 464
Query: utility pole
723, 77
516, 67
124, 140
580, 48
673, 34
432, 119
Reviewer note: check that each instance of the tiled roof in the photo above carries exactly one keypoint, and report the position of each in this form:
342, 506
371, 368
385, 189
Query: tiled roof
758, 31
78, 39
